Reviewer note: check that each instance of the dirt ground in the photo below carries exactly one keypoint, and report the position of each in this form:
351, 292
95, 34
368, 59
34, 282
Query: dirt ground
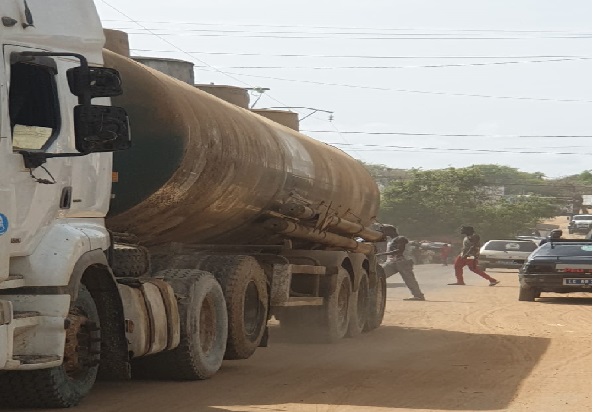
467, 348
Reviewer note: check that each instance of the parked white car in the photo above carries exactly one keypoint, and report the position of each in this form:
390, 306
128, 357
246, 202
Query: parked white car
580, 224
509, 254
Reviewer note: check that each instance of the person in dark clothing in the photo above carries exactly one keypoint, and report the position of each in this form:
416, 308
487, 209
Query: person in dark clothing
470, 252
554, 234
396, 263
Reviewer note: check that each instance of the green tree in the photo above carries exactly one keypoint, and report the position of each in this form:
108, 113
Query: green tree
435, 203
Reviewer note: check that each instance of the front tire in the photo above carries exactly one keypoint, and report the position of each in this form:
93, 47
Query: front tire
66, 385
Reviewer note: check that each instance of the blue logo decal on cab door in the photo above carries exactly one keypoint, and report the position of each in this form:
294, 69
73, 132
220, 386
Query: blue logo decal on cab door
3, 224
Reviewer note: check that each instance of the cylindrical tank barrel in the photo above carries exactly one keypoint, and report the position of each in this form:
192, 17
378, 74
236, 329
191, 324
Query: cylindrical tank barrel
203, 170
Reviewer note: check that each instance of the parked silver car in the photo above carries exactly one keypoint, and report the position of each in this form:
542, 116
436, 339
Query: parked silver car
510, 254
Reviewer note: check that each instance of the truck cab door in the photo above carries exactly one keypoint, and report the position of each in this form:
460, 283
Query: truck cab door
35, 118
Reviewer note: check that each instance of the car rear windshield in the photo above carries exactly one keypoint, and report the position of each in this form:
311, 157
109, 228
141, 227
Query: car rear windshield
511, 246
564, 249
585, 217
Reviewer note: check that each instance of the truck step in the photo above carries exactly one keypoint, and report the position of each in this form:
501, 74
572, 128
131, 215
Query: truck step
24, 314
303, 301
35, 359
23, 319
13, 281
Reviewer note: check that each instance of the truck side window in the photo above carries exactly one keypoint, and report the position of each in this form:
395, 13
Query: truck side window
33, 106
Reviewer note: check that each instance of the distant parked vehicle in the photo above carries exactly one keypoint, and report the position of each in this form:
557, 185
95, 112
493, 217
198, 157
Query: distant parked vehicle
509, 254
559, 266
580, 224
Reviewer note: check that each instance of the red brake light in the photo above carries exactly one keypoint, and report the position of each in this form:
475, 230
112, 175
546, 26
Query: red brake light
568, 270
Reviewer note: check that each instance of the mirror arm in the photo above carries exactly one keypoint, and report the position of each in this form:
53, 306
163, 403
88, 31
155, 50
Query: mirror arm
85, 98
35, 159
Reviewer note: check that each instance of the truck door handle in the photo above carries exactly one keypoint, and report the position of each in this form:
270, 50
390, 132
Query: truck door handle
66, 197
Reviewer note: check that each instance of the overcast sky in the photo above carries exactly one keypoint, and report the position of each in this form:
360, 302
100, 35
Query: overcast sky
405, 79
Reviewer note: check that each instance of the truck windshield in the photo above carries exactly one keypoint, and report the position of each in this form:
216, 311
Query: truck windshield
584, 217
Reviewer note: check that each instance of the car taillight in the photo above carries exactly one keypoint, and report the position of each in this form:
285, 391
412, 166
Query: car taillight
575, 270
531, 268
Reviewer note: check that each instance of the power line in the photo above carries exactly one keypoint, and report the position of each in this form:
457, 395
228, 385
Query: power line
181, 50
370, 56
431, 66
348, 37
466, 150
442, 134
353, 86
345, 28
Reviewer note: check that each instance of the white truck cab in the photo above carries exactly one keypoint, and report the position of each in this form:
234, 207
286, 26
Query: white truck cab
54, 185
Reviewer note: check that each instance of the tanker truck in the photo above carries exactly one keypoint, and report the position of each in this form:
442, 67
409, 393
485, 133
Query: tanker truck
150, 229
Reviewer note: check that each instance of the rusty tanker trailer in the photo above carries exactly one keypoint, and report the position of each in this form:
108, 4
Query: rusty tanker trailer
281, 220
216, 220
202, 170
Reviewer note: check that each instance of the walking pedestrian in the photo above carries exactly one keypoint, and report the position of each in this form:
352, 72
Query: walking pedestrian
396, 263
445, 252
470, 252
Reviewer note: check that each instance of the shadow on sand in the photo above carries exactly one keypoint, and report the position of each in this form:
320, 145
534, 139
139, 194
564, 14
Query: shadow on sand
391, 367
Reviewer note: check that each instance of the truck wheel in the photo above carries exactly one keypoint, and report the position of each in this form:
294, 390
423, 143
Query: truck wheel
66, 385
245, 288
129, 261
336, 309
527, 294
359, 307
204, 324
377, 301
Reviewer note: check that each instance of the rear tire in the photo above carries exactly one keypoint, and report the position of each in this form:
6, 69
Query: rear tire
359, 307
245, 288
204, 325
527, 294
377, 301
336, 311
66, 385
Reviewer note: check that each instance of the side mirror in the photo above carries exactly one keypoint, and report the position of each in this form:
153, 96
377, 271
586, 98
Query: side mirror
96, 81
101, 129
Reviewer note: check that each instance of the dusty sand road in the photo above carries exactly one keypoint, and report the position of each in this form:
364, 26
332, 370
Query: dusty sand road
471, 348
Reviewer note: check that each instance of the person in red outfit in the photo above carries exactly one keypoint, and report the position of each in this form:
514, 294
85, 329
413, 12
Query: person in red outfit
469, 257
445, 252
